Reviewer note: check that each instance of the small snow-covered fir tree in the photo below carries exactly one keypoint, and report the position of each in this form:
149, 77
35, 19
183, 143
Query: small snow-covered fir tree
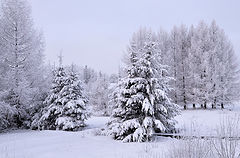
143, 106
66, 105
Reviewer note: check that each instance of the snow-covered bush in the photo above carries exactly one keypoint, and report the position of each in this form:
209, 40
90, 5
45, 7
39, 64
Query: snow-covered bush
6, 115
190, 148
227, 145
66, 105
142, 103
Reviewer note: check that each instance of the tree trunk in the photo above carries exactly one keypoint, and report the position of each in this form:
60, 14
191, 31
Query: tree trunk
194, 106
205, 105
185, 103
183, 82
175, 75
176, 98
202, 106
214, 104
222, 106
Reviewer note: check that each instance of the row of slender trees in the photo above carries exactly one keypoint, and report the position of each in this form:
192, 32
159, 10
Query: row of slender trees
202, 61
204, 66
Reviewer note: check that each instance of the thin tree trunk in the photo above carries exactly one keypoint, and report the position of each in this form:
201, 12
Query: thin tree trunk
184, 92
176, 98
205, 105
175, 75
184, 100
194, 106
222, 106
16, 58
214, 104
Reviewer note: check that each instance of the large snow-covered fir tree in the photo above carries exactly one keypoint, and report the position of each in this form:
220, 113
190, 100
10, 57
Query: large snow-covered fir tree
66, 105
142, 104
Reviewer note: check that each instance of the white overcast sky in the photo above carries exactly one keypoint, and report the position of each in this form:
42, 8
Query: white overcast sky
96, 32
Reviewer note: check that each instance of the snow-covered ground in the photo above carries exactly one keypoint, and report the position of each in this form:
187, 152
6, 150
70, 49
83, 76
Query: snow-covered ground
85, 144
203, 122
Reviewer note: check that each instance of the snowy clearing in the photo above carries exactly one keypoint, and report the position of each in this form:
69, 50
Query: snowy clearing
85, 144
203, 122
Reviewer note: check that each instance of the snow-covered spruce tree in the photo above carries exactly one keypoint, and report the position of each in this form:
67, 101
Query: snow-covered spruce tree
58, 82
143, 106
66, 105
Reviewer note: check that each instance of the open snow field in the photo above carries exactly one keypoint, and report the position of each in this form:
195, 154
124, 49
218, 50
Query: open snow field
85, 144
